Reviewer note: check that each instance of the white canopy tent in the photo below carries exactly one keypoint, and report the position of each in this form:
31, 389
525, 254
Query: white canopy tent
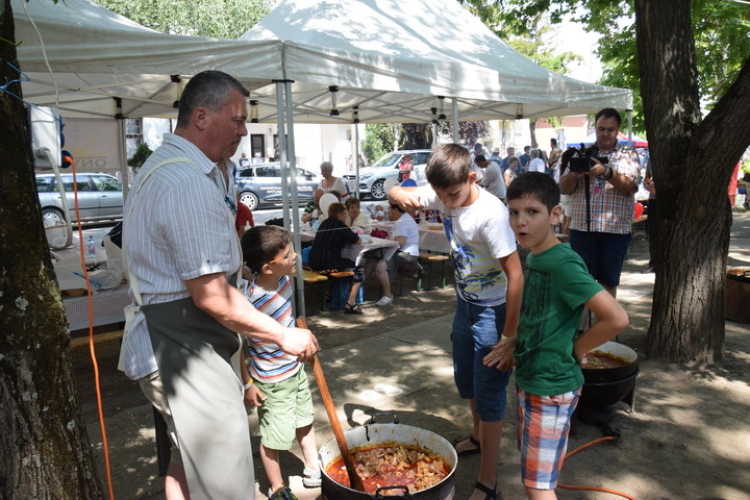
392, 59
105, 65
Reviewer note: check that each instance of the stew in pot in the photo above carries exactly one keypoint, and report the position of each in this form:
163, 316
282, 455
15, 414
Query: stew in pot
598, 360
392, 464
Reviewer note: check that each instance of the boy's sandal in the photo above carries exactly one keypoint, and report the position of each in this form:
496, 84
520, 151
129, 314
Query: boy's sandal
353, 309
283, 494
311, 478
491, 494
472, 451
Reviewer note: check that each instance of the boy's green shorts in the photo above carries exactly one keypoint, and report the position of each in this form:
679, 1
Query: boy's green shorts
288, 406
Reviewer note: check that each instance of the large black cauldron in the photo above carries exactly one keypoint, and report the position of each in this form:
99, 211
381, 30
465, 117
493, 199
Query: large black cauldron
374, 434
605, 387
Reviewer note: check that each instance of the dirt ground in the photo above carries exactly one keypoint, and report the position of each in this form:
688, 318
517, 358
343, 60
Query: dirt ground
688, 438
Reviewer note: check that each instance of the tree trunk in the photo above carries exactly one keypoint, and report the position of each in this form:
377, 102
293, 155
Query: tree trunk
45, 449
692, 161
532, 131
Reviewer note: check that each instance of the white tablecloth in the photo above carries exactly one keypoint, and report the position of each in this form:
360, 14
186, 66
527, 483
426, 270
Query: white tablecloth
430, 240
433, 240
377, 246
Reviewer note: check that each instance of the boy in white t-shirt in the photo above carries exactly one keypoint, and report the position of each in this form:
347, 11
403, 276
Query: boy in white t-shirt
489, 283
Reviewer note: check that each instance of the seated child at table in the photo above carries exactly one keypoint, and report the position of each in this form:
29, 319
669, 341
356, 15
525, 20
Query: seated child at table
406, 233
548, 355
279, 386
332, 236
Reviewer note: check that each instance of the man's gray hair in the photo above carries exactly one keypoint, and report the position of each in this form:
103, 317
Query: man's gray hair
327, 165
210, 89
534, 153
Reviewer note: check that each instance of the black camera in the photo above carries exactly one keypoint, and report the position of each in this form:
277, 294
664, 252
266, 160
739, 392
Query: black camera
579, 159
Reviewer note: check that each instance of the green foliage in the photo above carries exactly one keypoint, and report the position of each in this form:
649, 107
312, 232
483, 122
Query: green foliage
378, 141
720, 30
212, 18
140, 156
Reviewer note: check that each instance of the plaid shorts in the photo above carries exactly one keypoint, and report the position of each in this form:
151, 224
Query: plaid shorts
543, 426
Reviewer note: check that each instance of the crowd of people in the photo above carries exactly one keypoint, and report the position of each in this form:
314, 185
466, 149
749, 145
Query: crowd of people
198, 340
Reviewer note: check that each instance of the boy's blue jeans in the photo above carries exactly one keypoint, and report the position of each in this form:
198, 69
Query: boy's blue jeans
476, 329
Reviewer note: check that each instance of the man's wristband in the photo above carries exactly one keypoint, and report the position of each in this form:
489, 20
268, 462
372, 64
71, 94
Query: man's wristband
248, 384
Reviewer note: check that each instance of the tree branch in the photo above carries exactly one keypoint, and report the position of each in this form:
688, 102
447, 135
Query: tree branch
728, 122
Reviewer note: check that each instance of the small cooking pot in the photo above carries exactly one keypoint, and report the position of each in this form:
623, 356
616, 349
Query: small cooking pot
375, 434
604, 387
601, 375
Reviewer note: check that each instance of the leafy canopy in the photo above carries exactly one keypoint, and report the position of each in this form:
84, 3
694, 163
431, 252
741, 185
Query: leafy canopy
720, 29
212, 18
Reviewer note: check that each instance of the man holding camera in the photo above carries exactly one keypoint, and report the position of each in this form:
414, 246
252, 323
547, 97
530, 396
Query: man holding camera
602, 185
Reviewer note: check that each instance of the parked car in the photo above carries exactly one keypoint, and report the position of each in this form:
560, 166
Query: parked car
372, 178
260, 185
99, 198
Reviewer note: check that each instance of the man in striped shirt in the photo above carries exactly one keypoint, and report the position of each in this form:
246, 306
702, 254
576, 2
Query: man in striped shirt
182, 344
600, 229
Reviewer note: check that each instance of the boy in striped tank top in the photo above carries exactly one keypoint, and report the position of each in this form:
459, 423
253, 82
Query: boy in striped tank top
279, 386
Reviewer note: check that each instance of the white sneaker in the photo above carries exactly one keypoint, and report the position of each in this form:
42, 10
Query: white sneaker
384, 301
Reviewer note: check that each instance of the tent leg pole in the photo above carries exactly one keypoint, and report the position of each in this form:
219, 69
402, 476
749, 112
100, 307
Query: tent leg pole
289, 161
455, 120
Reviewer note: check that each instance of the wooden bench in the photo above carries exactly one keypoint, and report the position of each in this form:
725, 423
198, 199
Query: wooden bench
433, 258
311, 277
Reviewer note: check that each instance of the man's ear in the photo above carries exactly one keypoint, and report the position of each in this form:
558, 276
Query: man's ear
201, 117
266, 269
472, 177
555, 214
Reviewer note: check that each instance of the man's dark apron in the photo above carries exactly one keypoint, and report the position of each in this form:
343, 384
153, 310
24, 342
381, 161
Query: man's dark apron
197, 358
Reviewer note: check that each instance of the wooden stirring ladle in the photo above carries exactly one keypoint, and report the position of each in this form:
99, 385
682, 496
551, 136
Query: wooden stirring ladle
354, 480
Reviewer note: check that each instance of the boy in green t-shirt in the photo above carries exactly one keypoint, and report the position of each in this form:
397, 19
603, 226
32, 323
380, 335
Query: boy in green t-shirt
547, 353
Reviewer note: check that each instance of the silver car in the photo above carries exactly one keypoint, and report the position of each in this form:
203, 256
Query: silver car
372, 178
99, 198
260, 185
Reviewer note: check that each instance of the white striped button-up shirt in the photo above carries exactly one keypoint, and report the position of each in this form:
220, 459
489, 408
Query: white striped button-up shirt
181, 227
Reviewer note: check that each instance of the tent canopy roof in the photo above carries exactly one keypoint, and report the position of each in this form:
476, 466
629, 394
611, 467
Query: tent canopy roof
391, 59
394, 58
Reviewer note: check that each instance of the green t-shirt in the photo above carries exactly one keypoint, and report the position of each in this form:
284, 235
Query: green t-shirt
556, 286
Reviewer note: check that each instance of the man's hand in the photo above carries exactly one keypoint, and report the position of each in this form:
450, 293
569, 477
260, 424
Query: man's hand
299, 342
596, 169
501, 354
254, 397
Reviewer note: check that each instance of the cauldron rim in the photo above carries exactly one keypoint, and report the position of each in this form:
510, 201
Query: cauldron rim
440, 491
605, 375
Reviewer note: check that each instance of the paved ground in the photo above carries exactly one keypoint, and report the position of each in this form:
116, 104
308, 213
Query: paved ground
391, 359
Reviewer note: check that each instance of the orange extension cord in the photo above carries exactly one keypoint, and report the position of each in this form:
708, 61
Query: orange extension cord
593, 488
91, 341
